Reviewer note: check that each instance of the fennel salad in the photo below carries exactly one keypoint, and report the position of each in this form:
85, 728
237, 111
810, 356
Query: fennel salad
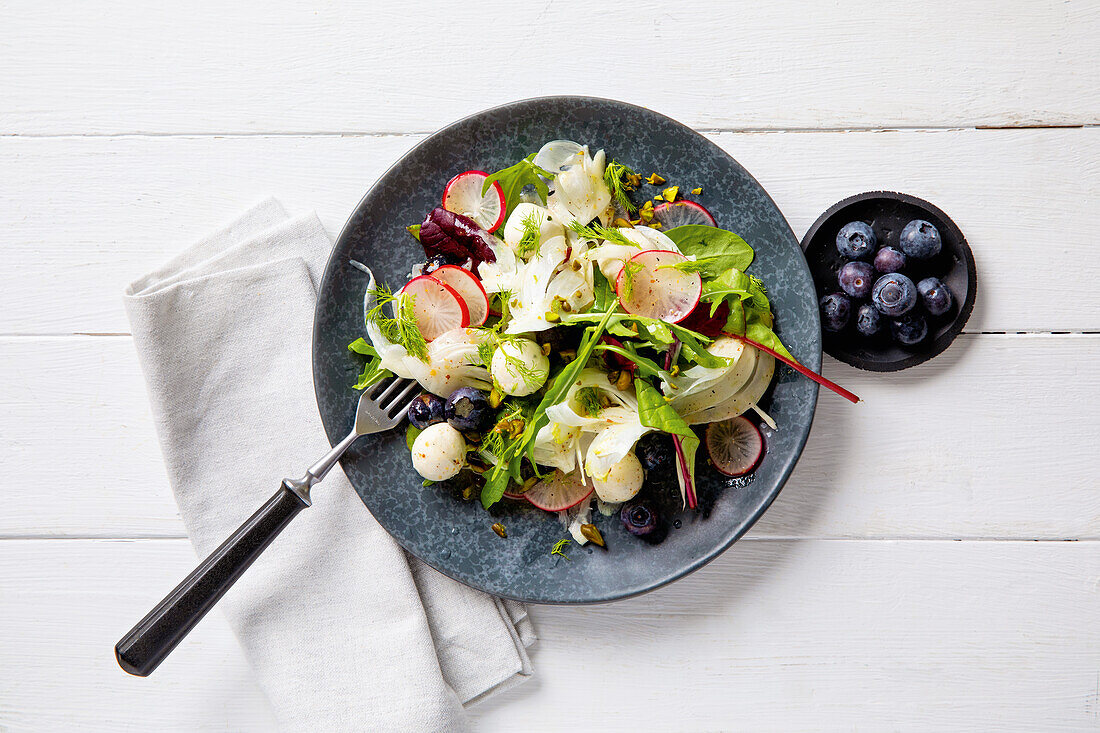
573, 325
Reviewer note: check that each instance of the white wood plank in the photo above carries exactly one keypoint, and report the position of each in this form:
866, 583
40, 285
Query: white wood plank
994, 438
64, 604
282, 66
89, 215
773, 636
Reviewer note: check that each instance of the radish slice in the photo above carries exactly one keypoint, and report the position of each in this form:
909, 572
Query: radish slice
648, 286
463, 196
437, 307
469, 288
559, 492
735, 446
681, 213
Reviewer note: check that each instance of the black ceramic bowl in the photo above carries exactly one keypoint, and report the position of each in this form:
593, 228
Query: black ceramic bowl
887, 213
453, 535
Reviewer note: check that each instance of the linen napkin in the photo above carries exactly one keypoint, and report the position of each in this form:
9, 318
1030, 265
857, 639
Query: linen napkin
344, 630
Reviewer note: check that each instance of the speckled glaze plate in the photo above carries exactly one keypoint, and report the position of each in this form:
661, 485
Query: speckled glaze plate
454, 536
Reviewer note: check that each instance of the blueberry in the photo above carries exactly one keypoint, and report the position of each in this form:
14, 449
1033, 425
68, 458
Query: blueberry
639, 519
835, 311
427, 409
889, 259
655, 451
468, 409
856, 240
856, 279
435, 262
920, 239
894, 295
868, 320
935, 295
910, 329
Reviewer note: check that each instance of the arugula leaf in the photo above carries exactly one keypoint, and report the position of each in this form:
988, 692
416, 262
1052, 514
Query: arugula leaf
372, 371
362, 346
513, 178
605, 294
732, 285
655, 412
718, 249
646, 366
764, 335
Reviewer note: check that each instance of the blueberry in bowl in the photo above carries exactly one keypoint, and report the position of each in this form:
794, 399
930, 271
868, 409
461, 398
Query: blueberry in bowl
933, 247
935, 295
856, 240
836, 309
868, 320
909, 330
894, 294
856, 279
889, 260
920, 239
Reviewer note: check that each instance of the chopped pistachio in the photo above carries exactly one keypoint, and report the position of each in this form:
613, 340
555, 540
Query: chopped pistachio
552, 317
529, 482
674, 370
645, 214
468, 492
624, 381
592, 534
568, 354
499, 529
546, 349
495, 398
613, 376
670, 193
633, 180
621, 223
654, 180
697, 191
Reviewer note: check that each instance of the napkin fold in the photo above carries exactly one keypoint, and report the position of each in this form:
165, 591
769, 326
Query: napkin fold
344, 630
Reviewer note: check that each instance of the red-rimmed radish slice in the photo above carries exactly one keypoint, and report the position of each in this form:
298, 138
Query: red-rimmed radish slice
735, 446
437, 307
680, 213
463, 196
560, 491
520, 496
469, 288
649, 286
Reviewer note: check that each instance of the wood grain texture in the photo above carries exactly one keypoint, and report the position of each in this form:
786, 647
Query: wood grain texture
284, 67
994, 438
89, 215
772, 636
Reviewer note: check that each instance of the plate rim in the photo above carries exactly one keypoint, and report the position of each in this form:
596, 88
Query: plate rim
814, 361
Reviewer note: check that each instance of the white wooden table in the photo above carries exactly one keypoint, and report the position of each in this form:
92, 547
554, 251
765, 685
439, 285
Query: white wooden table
933, 563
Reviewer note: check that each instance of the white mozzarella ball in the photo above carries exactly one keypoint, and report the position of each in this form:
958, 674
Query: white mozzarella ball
622, 482
519, 367
439, 452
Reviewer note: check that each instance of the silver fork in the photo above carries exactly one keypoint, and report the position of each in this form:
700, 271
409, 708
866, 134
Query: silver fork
381, 407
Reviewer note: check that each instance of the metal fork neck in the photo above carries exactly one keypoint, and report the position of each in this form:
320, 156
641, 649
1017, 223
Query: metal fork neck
320, 469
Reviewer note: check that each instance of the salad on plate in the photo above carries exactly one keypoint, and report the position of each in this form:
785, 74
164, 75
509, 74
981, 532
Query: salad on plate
573, 326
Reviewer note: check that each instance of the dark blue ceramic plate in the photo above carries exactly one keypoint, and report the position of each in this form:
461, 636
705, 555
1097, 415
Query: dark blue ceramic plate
455, 536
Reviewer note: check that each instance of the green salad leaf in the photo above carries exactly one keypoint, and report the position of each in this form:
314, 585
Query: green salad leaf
513, 179
716, 250
372, 370
655, 412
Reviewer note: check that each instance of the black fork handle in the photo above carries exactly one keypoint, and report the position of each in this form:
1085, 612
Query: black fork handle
154, 637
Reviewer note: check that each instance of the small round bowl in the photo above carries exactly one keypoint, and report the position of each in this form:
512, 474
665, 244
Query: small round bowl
887, 213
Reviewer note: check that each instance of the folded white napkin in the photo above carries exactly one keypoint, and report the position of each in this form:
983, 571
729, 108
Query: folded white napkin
344, 630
